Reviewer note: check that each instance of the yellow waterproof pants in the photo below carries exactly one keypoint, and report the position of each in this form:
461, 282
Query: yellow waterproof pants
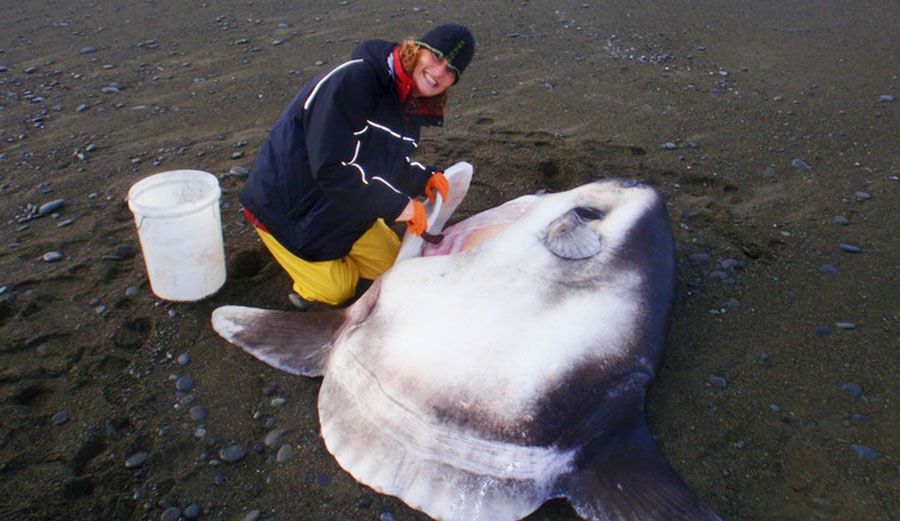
334, 281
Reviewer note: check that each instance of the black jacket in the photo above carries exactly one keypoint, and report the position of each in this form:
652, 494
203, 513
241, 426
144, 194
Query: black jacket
338, 159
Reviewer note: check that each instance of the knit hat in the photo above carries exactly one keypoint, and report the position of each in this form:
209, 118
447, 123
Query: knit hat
451, 41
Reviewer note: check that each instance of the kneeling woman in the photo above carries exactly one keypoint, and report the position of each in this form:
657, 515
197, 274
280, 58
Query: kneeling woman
336, 165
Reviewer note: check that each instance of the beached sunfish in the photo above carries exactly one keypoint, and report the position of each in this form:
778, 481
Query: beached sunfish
505, 367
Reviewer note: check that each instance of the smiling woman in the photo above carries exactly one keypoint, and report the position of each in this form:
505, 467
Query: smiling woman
336, 164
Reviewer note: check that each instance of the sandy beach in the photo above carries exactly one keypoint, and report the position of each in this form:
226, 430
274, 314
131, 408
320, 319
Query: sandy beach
771, 129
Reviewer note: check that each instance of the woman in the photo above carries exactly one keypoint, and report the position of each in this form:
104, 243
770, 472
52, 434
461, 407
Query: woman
336, 164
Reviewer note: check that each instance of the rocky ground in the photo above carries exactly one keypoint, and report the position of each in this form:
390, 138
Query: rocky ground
771, 128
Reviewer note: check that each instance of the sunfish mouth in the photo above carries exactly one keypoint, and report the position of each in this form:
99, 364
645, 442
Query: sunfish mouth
479, 228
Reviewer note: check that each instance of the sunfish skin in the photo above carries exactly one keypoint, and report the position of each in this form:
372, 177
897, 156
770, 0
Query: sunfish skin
505, 367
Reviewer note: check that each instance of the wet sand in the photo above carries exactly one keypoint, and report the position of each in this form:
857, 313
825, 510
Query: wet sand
760, 124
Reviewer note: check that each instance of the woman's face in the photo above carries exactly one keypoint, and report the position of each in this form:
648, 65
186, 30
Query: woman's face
431, 76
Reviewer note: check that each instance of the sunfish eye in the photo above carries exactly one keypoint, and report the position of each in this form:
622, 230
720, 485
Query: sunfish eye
588, 214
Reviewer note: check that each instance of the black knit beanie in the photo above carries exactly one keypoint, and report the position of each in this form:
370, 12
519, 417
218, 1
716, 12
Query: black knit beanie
451, 41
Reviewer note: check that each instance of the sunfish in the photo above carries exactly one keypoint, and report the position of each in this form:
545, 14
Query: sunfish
505, 367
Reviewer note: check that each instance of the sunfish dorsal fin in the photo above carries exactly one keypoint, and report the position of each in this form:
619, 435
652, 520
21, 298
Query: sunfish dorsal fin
295, 342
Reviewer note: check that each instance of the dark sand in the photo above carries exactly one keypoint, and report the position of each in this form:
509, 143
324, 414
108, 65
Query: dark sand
559, 93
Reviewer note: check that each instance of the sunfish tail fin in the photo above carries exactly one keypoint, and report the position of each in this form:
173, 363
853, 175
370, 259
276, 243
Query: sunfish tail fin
295, 342
628, 479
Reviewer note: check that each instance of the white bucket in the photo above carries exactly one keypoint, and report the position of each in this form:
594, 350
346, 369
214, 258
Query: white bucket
180, 229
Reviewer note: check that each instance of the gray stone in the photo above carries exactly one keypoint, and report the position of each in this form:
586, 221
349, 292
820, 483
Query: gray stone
170, 514
233, 453
136, 460
284, 453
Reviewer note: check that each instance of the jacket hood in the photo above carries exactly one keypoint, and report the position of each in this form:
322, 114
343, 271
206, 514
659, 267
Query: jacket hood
376, 52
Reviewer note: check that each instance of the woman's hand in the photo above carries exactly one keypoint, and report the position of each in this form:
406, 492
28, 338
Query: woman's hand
438, 182
415, 217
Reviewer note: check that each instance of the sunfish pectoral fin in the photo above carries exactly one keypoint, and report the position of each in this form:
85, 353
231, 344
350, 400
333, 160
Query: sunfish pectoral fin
628, 479
295, 342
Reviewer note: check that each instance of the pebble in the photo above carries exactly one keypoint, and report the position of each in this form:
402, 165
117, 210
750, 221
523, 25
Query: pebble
799, 163
854, 390
273, 438
132, 291
88, 50
386, 516
240, 171
253, 515
65, 223
183, 359
184, 384
849, 248
170, 514
50, 206
136, 460
52, 256
864, 452
840, 219
822, 505
699, 258
42, 349
733, 264
864, 196
884, 98
198, 413
192, 511
718, 381
669, 146
60, 418
774, 407
278, 401
237, 155
830, 269
219, 479
284, 453
845, 325
232, 453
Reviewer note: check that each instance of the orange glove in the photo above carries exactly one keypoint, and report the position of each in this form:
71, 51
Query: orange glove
418, 223
438, 182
